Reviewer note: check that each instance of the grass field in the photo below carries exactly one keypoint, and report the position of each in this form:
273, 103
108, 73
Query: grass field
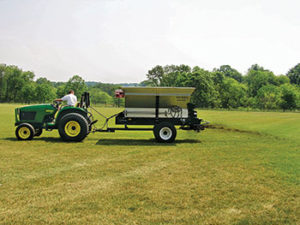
243, 170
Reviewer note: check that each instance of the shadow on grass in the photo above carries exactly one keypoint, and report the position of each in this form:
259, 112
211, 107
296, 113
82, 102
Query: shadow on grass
46, 139
143, 142
125, 142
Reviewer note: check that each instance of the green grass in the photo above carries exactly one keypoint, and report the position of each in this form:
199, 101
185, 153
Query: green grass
244, 172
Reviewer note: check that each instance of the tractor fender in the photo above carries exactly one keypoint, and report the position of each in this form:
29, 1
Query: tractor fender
67, 110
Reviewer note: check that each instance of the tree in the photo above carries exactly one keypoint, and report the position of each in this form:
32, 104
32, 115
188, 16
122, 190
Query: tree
290, 97
173, 68
3, 82
205, 94
155, 75
282, 79
268, 97
45, 92
171, 73
257, 78
232, 93
218, 78
294, 74
108, 88
99, 96
77, 84
166, 76
43, 80
61, 91
230, 72
257, 67
28, 93
15, 80
145, 83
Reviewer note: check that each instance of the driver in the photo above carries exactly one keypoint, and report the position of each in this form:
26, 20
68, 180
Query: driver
70, 98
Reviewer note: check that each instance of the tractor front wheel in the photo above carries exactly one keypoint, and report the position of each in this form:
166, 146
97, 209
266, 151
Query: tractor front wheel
25, 131
38, 132
73, 127
165, 132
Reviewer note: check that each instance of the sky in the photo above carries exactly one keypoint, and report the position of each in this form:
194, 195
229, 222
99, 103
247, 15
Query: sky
116, 41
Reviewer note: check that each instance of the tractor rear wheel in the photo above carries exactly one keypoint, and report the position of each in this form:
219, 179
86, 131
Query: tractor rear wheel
25, 131
73, 127
165, 132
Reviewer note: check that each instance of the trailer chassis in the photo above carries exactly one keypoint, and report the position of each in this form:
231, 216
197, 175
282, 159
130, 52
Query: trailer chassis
160, 125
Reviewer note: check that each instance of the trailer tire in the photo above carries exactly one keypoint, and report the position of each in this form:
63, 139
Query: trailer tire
165, 132
73, 127
25, 131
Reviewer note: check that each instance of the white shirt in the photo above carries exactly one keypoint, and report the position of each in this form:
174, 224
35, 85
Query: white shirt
70, 98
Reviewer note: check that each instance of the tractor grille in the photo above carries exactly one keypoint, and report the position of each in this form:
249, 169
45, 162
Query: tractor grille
27, 115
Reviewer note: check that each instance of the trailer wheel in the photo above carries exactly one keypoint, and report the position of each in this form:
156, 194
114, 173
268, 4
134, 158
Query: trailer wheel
25, 131
165, 132
73, 127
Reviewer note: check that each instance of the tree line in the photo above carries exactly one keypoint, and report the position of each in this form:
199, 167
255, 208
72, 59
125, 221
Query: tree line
223, 87
19, 86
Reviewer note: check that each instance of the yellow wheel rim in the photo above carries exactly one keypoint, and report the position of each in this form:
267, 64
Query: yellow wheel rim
24, 132
72, 128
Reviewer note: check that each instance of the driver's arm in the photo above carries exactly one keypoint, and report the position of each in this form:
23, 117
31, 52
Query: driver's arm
61, 99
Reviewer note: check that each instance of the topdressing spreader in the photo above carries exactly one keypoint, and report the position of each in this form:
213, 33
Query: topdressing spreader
162, 108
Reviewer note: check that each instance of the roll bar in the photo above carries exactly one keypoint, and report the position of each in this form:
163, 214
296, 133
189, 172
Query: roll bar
85, 100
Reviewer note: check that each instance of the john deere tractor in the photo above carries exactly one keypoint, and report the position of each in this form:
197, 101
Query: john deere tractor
73, 123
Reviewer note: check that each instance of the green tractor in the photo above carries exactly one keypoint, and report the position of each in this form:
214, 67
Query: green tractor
73, 123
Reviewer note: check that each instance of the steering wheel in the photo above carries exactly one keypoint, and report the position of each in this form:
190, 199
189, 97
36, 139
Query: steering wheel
56, 104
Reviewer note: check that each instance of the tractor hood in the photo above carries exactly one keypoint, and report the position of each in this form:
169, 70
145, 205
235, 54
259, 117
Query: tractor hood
34, 113
37, 107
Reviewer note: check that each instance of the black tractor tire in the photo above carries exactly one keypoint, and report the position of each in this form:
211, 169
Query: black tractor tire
25, 132
73, 127
38, 132
165, 132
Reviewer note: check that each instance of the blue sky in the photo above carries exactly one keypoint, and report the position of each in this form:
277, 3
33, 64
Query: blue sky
120, 40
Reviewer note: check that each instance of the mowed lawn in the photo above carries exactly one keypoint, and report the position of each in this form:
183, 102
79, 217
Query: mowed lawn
243, 170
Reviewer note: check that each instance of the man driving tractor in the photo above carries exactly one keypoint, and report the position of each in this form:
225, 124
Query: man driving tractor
70, 98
